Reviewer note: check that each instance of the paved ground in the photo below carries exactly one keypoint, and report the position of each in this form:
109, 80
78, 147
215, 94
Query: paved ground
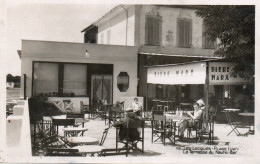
231, 146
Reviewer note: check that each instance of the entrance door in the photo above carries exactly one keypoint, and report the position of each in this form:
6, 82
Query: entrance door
101, 88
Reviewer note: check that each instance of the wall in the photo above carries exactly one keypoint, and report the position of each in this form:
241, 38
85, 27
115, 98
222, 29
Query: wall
18, 136
117, 26
169, 23
123, 58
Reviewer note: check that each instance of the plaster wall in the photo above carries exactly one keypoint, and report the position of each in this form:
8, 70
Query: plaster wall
169, 24
118, 25
75, 53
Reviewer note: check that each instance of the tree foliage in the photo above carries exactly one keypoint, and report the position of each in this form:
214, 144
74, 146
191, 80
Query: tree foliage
234, 26
11, 78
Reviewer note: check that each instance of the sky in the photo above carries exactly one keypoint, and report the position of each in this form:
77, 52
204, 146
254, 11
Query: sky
50, 21
56, 20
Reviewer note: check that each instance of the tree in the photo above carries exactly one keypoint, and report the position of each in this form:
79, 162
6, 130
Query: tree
234, 26
9, 78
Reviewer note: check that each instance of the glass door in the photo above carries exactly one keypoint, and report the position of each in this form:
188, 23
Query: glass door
101, 88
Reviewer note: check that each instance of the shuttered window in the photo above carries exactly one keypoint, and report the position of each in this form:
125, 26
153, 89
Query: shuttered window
153, 30
207, 43
184, 30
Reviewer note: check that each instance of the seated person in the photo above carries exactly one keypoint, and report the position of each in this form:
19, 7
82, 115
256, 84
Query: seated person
136, 106
189, 123
133, 125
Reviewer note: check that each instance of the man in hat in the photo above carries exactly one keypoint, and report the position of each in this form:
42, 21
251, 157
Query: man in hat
130, 125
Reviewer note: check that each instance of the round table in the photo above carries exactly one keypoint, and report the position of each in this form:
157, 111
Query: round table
247, 114
74, 131
231, 110
83, 140
229, 121
176, 117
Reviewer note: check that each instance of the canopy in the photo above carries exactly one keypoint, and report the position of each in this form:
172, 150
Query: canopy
219, 73
191, 73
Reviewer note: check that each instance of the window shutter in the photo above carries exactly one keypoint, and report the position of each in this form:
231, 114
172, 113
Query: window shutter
146, 30
152, 31
190, 33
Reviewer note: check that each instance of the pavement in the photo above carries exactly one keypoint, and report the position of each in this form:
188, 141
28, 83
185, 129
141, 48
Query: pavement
222, 146
224, 149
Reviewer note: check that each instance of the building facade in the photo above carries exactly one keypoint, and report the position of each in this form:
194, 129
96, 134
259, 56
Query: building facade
80, 71
164, 34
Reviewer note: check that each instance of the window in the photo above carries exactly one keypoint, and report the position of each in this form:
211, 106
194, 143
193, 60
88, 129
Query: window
184, 32
60, 79
153, 30
207, 43
75, 79
45, 78
123, 81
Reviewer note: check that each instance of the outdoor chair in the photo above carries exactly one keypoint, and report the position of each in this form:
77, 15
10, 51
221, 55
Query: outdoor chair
158, 128
68, 152
129, 142
61, 122
206, 128
84, 109
100, 150
75, 116
55, 146
161, 130
114, 114
37, 132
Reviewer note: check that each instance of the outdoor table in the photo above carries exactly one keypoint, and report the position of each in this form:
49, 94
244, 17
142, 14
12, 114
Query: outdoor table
59, 117
229, 121
89, 149
83, 140
249, 116
73, 131
174, 117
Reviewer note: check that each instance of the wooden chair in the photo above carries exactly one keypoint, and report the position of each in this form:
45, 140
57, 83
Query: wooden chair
63, 152
60, 122
84, 108
127, 141
56, 146
206, 128
76, 116
114, 114
158, 128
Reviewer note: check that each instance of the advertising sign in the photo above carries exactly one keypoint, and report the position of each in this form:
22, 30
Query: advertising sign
220, 74
194, 73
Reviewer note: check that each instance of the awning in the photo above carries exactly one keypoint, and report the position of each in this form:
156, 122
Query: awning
194, 73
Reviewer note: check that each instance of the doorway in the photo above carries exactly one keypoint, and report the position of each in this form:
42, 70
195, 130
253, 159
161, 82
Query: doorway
101, 88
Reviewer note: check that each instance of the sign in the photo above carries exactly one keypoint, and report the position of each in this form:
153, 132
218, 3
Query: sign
194, 73
220, 74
